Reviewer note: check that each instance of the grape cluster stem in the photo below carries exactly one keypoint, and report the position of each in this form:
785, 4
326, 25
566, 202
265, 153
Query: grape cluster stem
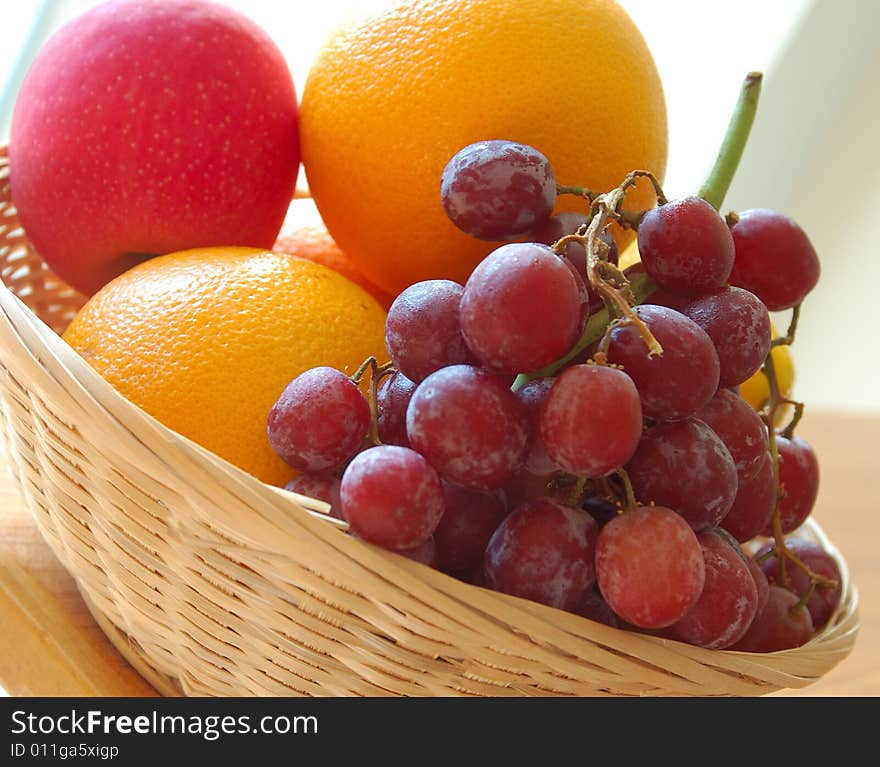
775, 401
714, 188
377, 373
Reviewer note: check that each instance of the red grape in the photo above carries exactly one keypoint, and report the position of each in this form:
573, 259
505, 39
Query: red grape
683, 465
322, 487
741, 430
476, 577
662, 297
425, 553
586, 299
761, 583
496, 190
544, 552
391, 496
824, 599
798, 480
532, 396
649, 566
753, 506
658, 296
525, 486
574, 256
729, 599
686, 246
779, 626
591, 420
470, 518
422, 330
392, 400
469, 426
775, 259
319, 421
674, 384
739, 326
594, 607
521, 308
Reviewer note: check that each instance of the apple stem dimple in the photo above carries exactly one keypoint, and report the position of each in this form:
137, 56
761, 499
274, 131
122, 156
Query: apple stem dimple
714, 188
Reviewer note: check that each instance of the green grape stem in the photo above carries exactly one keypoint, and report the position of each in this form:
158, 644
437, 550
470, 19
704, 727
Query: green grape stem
714, 188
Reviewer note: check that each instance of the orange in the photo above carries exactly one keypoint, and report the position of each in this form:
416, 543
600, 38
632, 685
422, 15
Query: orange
391, 99
303, 234
206, 340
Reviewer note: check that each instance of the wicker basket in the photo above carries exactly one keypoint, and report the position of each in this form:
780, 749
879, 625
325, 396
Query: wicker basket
212, 583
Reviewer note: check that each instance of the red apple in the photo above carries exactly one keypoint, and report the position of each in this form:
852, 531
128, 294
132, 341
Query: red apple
145, 127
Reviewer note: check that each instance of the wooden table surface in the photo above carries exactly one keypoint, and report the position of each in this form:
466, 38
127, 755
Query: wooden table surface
50, 645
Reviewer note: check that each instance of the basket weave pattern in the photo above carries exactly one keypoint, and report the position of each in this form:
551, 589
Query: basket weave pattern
212, 583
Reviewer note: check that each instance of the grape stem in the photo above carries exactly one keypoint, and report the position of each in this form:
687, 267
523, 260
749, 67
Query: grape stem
788, 338
616, 299
377, 373
578, 191
577, 492
629, 493
714, 188
780, 549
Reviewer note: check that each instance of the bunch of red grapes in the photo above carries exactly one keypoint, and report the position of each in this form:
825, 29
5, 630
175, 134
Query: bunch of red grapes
565, 432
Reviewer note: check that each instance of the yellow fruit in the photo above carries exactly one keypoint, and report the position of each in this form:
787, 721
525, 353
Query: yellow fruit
205, 341
388, 102
629, 256
756, 390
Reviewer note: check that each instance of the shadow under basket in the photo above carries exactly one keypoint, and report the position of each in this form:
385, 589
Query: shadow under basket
211, 583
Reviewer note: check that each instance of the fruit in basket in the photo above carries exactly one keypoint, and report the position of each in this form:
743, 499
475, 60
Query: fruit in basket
392, 496
206, 340
650, 566
728, 601
782, 624
775, 259
144, 128
618, 455
821, 598
423, 329
686, 246
389, 101
319, 421
496, 190
545, 552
